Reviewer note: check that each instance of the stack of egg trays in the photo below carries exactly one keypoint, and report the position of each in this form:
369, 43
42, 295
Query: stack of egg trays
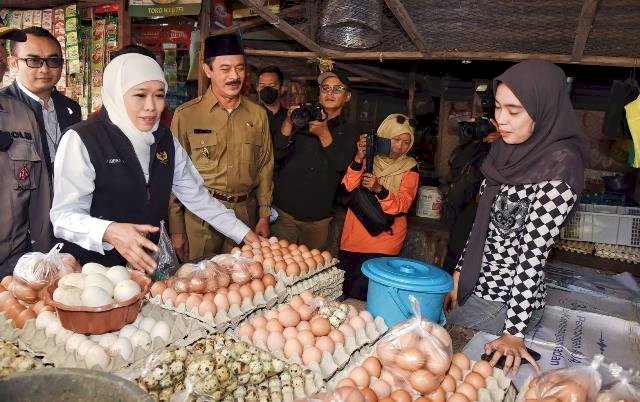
321, 284
184, 331
290, 281
273, 295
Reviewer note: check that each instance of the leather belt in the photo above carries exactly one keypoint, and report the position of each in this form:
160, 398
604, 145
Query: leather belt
228, 198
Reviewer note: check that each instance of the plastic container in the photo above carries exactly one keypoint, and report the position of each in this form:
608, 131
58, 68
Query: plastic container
606, 224
99, 320
392, 280
429, 203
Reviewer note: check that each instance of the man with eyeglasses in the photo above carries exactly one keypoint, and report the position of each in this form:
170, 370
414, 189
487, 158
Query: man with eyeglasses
25, 198
313, 162
39, 65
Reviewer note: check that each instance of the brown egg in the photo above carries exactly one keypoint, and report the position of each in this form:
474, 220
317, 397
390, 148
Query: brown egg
290, 333
193, 302
289, 318
268, 280
468, 390
292, 269
320, 326
257, 286
461, 360
23, 292
305, 312
424, 381
325, 344
298, 258
292, 247
246, 291
387, 353
436, 396
24, 316
336, 336
303, 326
304, 268
260, 335
181, 285
280, 266
442, 335
6, 281
246, 247
276, 253
259, 322
268, 263
283, 243
292, 347
327, 257
185, 270
475, 379
380, 387
256, 270
182, 299
306, 338
438, 363
245, 330
457, 397
207, 306
223, 279
4, 297
448, 384
36, 307
311, 354
246, 254
258, 258
273, 325
400, 395
455, 372
369, 395
483, 368
346, 382
221, 301
14, 309
319, 260
372, 365
360, 376
311, 263
234, 297
169, 296
209, 296
197, 285
157, 288
410, 359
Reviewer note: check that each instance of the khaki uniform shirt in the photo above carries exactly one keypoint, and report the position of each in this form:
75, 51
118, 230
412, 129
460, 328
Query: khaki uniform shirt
231, 150
25, 195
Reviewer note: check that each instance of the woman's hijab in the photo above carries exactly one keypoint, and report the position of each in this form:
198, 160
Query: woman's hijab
558, 149
390, 171
121, 74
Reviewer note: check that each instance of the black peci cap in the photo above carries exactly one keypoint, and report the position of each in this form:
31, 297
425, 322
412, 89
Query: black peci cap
224, 45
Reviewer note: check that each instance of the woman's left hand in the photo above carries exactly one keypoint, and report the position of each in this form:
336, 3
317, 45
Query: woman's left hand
370, 182
513, 348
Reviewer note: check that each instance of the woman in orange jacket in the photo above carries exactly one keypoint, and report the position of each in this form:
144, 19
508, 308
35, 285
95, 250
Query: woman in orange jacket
395, 181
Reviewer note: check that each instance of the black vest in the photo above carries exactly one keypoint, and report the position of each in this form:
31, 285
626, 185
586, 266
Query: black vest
121, 193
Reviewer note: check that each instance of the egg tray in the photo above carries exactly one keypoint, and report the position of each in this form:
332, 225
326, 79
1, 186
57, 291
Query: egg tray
292, 280
184, 331
271, 297
8, 329
331, 363
330, 278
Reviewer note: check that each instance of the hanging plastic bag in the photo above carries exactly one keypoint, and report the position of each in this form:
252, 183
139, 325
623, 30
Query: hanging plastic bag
572, 384
34, 271
626, 388
165, 257
419, 349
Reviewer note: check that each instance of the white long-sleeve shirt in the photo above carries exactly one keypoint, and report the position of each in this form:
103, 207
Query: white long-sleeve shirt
73, 187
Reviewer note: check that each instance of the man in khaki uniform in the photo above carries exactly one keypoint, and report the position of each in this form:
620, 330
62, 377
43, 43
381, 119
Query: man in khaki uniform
25, 195
227, 137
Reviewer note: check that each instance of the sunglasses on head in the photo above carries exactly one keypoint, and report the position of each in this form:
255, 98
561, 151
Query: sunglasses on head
336, 89
37, 62
400, 119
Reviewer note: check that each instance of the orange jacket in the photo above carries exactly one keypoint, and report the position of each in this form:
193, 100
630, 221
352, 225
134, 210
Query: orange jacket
355, 237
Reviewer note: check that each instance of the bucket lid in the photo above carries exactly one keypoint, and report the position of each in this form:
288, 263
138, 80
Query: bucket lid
404, 273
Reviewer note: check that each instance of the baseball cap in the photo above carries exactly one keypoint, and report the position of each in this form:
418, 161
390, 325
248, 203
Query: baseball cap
341, 75
12, 34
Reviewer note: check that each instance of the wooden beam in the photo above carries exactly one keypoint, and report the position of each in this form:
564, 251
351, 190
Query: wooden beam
124, 24
372, 77
283, 26
255, 22
587, 16
204, 24
407, 24
412, 91
444, 55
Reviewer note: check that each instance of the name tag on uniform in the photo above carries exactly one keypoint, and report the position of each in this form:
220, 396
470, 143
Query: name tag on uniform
201, 131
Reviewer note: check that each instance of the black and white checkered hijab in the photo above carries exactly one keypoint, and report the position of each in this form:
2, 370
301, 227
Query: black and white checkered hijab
557, 150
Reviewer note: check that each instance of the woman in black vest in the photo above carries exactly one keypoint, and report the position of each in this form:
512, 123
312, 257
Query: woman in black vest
114, 173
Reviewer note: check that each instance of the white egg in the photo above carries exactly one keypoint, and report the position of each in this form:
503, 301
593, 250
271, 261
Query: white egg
74, 342
121, 347
44, 318
146, 324
140, 338
96, 356
95, 338
107, 340
52, 329
94, 296
161, 330
118, 274
100, 281
125, 290
127, 331
68, 295
94, 268
73, 279
136, 322
84, 347
62, 336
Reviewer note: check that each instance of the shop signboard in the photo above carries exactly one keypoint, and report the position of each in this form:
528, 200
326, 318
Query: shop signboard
163, 8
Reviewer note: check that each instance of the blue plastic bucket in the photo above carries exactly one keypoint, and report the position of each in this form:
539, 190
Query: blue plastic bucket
392, 280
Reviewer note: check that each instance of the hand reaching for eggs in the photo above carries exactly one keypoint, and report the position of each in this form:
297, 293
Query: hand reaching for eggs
130, 241
513, 348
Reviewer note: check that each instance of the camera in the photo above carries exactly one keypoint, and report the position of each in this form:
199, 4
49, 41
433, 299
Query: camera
482, 126
307, 112
375, 145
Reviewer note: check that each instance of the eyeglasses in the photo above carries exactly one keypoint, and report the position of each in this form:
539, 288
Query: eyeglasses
400, 119
336, 89
37, 62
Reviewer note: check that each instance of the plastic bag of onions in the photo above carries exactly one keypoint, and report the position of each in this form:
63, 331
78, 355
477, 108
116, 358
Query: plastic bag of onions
240, 269
34, 271
419, 349
625, 388
571, 384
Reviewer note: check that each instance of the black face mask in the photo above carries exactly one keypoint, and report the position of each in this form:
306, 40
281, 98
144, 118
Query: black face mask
268, 95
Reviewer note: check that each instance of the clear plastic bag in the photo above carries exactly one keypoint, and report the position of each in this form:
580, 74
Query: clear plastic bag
418, 349
162, 375
34, 271
626, 388
203, 277
572, 384
239, 268
165, 257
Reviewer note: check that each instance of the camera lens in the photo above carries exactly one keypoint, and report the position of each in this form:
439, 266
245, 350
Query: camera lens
300, 117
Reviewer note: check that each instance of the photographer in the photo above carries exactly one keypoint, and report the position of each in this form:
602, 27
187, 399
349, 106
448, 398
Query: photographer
313, 158
395, 181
